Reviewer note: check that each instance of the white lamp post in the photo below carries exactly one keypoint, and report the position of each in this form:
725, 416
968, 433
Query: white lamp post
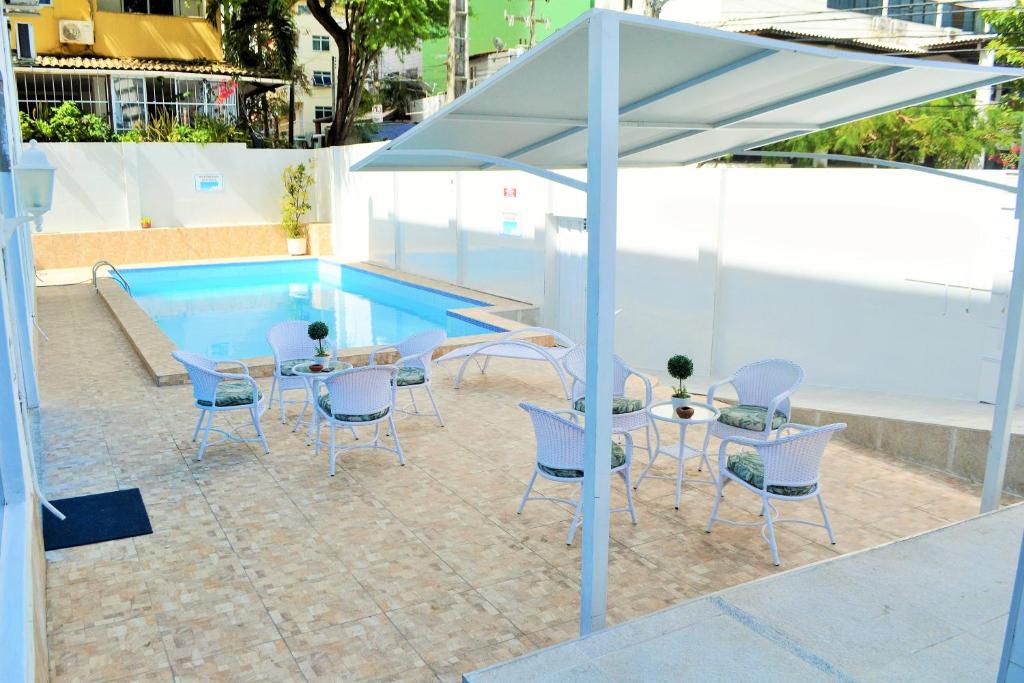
33, 185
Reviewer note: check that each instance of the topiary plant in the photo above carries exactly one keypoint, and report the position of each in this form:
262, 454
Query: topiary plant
681, 369
318, 331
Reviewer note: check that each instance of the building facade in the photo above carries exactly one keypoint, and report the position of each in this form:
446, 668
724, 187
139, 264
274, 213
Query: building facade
127, 61
318, 55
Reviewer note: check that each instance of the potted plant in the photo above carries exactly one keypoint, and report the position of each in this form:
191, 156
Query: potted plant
681, 369
146, 222
318, 331
294, 205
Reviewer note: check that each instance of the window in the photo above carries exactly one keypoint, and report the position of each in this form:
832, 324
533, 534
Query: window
302, 8
863, 6
322, 78
170, 8
322, 112
321, 43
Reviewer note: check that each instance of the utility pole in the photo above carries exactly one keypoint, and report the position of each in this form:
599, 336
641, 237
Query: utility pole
458, 48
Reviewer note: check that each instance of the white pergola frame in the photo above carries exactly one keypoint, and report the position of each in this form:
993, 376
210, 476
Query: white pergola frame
603, 155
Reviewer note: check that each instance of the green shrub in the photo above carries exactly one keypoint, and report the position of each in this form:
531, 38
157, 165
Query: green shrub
681, 369
295, 202
66, 123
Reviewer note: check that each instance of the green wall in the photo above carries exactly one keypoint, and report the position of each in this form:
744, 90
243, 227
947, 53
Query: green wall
487, 21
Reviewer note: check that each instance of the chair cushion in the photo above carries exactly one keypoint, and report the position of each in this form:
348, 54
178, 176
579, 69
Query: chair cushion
618, 457
749, 467
750, 417
232, 392
287, 365
620, 405
325, 403
410, 376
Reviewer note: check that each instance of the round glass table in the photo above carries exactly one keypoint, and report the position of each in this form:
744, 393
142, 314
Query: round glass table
311, 377
662, 413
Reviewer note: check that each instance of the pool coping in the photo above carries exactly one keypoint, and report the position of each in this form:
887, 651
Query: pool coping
154, 347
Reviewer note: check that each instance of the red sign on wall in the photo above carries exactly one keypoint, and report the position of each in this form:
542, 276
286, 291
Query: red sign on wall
510, 192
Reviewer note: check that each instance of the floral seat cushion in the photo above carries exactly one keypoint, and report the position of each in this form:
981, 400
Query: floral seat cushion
750, 417
620, 405
749, 467
288, 366
410, 376
325, 403
618, 458
237, 392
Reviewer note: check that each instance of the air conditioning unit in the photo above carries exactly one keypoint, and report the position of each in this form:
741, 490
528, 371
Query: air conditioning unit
25, 47
76, 32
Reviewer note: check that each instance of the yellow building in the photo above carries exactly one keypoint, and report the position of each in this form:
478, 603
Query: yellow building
125, 60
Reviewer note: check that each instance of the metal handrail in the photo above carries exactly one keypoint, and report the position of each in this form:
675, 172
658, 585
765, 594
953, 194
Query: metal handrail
120, 278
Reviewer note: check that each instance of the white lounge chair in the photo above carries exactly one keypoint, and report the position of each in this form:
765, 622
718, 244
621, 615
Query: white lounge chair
786, 468
510, 345
560, 459
414, 365
219, 392
358, 397
628, 414
291, 345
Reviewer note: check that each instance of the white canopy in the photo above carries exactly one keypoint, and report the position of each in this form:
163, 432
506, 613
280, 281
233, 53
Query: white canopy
614, 89
686, 94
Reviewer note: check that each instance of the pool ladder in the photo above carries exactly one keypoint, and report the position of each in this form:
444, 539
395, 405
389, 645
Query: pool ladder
113, 274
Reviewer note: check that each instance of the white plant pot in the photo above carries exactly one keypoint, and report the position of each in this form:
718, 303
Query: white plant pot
296, 246
677, 402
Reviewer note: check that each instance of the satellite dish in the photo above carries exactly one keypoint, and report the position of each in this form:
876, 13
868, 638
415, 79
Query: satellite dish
499, 44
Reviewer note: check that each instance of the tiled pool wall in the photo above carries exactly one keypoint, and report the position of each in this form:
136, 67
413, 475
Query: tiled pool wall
154, 347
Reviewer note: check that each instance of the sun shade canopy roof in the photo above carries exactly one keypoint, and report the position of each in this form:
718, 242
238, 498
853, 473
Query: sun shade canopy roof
686, 94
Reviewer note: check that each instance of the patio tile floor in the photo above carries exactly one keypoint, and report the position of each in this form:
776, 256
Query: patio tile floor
261, 567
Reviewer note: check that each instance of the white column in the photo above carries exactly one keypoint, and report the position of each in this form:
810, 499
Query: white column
1009, 371
602, 189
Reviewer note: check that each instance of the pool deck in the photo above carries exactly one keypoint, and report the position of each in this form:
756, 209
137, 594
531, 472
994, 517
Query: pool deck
154, 347
261, 567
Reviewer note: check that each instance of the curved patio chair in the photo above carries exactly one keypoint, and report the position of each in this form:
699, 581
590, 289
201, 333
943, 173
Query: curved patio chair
786, 468
218, 392
416, 354
763, 388
358, 397
560, 459
628, 414
291, 345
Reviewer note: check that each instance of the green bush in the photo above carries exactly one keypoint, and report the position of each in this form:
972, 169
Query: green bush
66, 123
681, 368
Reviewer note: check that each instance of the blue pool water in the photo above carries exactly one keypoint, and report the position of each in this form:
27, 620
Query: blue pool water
225, 310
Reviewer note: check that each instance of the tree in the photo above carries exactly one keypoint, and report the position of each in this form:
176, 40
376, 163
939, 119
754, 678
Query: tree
362, 30
259, 36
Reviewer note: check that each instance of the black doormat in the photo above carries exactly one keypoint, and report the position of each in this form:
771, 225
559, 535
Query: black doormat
96, 518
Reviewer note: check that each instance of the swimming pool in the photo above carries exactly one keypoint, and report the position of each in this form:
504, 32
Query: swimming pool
225, 310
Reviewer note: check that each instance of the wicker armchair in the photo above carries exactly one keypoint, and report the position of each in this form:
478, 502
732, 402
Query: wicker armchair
560, 459
416, 355
628, 414
358, 397
786, 468
291, 345
217, 392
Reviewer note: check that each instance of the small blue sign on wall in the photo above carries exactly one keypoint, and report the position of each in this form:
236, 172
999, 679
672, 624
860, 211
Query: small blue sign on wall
510, 225
209, 182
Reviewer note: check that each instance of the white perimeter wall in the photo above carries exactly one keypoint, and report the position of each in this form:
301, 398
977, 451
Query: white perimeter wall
871, 279
111, 186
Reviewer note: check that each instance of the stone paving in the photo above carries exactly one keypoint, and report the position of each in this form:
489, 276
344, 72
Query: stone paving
261, 567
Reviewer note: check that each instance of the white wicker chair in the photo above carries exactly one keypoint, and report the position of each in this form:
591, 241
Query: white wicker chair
575, 363
560, 459
218, 392
291, 344
786, 468
358, 397
416, 354
763, 388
